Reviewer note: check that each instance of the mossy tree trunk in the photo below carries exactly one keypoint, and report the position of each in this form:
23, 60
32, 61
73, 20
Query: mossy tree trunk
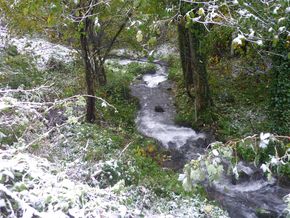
184, 37
280, 89
193, 61
202, 93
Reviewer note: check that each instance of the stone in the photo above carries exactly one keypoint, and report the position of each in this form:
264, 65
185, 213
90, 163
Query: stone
159, 109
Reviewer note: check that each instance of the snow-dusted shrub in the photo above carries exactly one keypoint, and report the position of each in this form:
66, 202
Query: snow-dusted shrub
270, 154
32, 186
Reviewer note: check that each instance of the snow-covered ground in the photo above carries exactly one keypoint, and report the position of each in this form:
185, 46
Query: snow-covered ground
40, 49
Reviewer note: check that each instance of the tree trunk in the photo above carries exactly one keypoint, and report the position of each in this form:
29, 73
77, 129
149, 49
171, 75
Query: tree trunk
90, 75
185, 55
202, 95
279, 107
194, 65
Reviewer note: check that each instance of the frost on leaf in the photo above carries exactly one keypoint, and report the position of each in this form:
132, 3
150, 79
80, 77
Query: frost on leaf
265, 168
215, 152
259, 42
139, 36
265, 139
238, 41
97, 24
274, 161
200, 12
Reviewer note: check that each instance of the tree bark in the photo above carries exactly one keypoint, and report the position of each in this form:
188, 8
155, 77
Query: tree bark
202, 95
90, 75
185, 55
193, 62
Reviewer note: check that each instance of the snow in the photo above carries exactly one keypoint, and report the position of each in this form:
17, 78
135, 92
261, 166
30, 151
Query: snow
238, 40
40, 49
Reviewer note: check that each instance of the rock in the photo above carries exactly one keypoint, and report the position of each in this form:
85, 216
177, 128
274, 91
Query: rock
159, 109
263, 213
151, 72
139, 77
246, 173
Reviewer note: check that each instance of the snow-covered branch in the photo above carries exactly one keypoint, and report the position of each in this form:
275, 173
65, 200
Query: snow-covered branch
258, 22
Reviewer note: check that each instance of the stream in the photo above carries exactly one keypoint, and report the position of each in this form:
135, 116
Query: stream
252, 196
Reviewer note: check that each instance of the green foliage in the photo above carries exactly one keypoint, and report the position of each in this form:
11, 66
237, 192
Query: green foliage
217, 43
18, 70
150, 174
268, 152
10, 135
68, 78
246, 153
113, 172
280, 91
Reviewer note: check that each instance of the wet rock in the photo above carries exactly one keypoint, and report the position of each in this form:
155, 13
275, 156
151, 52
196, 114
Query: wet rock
159, 109
263, 213
176, 162
139, 77
153, 71
246, 173
284, 181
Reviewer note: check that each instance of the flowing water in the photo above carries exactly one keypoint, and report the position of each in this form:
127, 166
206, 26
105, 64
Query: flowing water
251, 196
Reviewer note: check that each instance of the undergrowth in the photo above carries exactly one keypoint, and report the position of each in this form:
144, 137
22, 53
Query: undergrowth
54, 164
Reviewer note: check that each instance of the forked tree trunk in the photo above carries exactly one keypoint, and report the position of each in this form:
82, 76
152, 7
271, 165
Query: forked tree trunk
94, 56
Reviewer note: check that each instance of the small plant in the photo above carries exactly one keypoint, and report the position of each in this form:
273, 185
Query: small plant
269, 152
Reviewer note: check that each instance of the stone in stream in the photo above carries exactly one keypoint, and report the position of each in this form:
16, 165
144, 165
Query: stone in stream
263, 213
158, 109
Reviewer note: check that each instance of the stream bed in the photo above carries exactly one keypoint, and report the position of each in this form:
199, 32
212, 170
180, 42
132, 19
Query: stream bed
250, 197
